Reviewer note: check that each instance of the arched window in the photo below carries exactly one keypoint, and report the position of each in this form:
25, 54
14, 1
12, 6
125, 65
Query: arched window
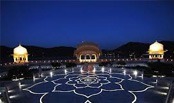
87, 57
93, 57
82, 57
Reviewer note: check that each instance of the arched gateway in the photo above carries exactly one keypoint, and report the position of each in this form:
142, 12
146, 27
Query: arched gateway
87, 52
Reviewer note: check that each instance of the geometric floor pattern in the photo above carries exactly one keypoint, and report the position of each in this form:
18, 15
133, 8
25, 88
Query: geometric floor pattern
101, 85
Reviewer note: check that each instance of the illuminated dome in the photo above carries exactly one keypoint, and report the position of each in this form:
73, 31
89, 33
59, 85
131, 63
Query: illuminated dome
156, 48
87, 46
20, 54
20, 50
156, 51
87, 52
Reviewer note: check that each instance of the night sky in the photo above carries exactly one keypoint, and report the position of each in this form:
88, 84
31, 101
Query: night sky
109, 24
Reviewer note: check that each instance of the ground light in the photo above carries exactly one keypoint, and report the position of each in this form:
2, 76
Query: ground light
81, 70
13, 96
124, 72
10, 91
51, 74
156, 81
103, 69
34, 78
19, 84
173, 100
65, 71
142, 75
162, 93
1, 101
164, 88
41, 75
94, 70
135, 73
110, 70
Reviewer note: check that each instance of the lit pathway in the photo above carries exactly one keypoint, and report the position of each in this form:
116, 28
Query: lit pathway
101, 85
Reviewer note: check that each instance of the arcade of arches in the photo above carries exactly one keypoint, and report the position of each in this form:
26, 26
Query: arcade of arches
87, 52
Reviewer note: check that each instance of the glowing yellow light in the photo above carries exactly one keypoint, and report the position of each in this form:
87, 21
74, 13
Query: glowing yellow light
20, 54
20, 50
156, 51
156, 48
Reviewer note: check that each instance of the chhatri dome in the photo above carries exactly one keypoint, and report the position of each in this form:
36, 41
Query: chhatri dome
20, 54
20, 50
156, 51
87, 52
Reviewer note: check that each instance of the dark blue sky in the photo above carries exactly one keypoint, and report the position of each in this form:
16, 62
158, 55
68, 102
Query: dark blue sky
109, 24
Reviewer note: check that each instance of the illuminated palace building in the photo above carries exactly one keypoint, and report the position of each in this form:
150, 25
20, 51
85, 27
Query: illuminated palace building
87, 52
156, 51
20, 54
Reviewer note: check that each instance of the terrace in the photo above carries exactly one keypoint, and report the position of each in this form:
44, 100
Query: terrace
86, 85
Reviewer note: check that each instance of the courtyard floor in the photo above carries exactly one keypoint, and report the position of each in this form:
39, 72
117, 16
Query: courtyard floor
100, 85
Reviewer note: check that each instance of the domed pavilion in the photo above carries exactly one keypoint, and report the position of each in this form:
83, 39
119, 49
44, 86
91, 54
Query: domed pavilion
156, 51
20, 54
87, 52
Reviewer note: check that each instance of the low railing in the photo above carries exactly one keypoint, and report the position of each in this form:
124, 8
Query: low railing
75, 61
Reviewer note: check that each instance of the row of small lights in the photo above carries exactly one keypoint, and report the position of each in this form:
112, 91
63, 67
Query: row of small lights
120, 59
135, 72
49, 61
